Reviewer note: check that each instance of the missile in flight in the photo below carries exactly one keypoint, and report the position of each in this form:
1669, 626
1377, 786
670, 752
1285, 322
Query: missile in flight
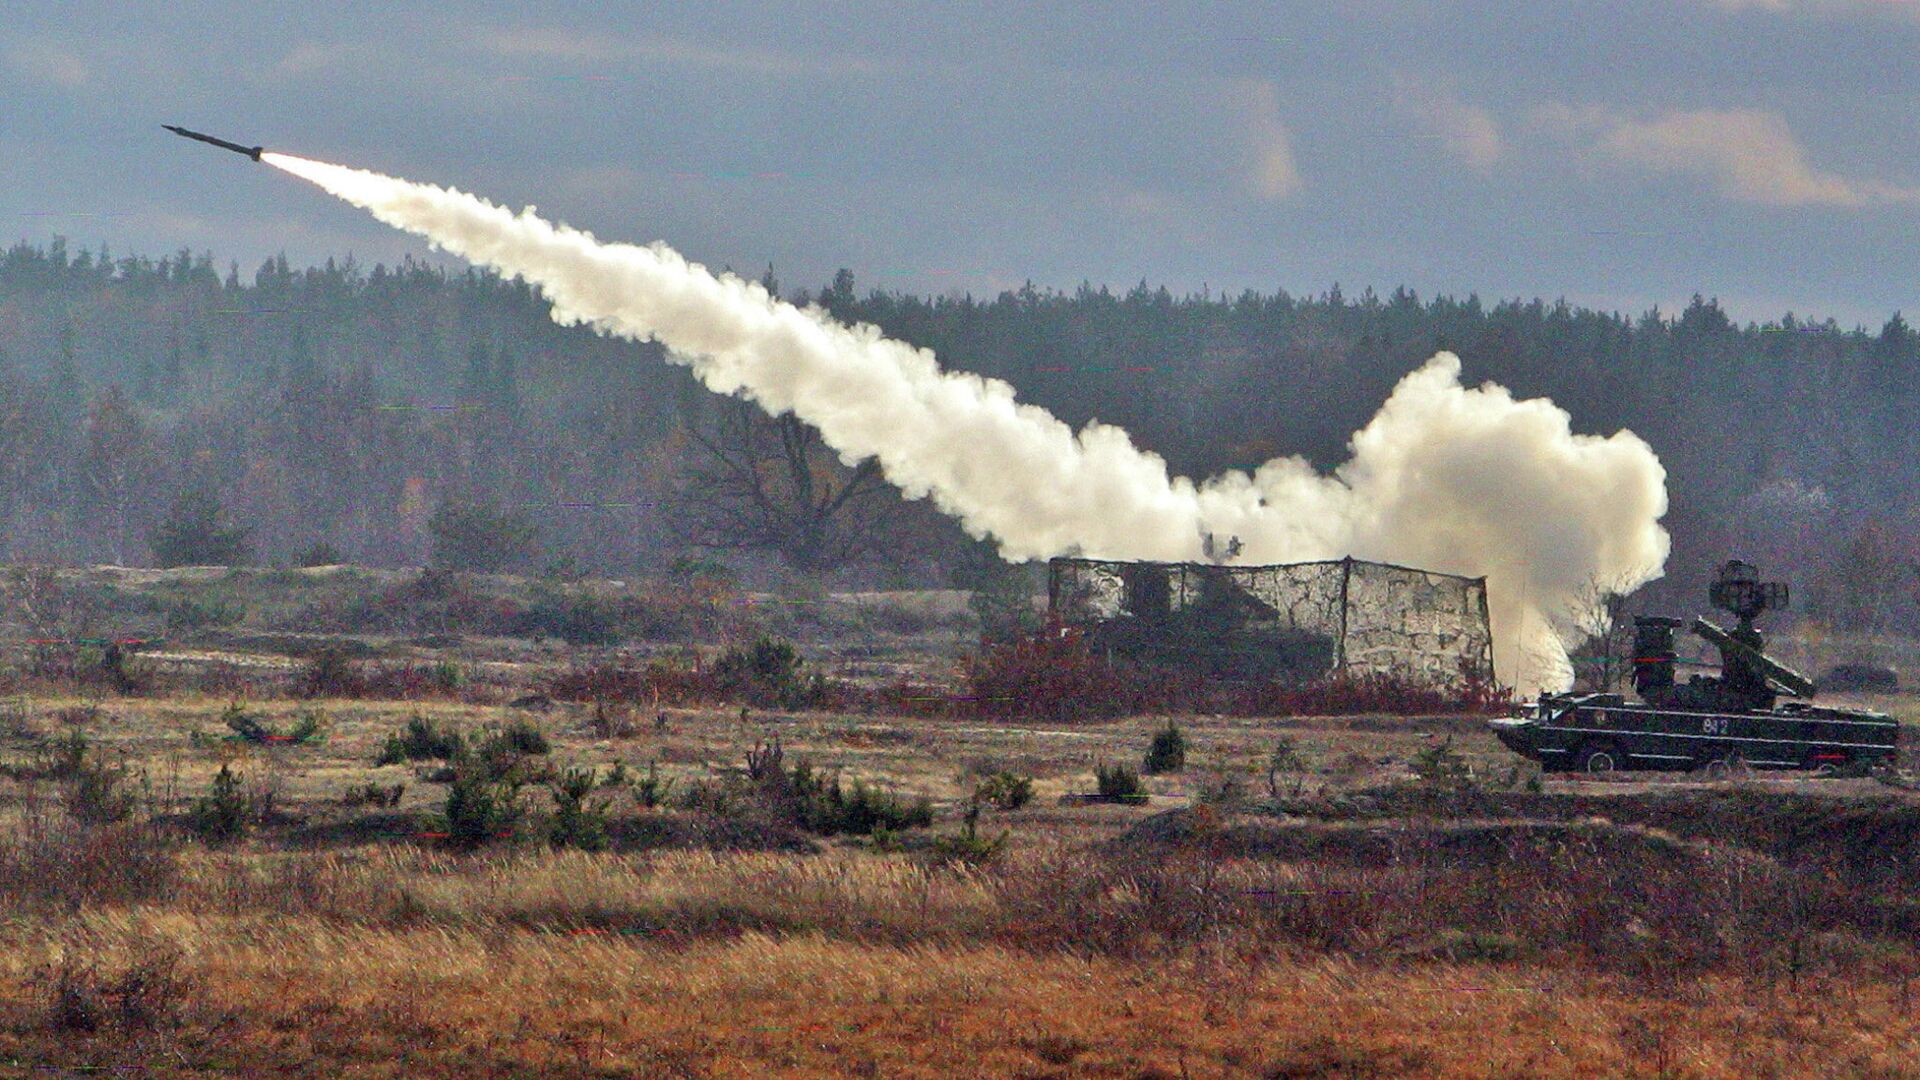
253, 152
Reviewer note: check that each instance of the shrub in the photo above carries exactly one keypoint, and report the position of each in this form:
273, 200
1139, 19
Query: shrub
245, 724
1442, 767
521, 737
501, 756
221, 815
766, 761
331, 673
577, 618
827, 808
477, 810
202, 613
1118, 784
1005, 791
446, 676
803, 797
611, 722
479, 536
1285, 759
716, 797
767, 674
421, 741
320, 554
148, 994
307, 725
1052, 675
649, 790
371, 794
576, 822
1167, 753
196, 532
97, 793
65, 757
967, 846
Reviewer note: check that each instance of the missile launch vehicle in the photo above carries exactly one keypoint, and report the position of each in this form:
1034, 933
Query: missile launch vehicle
1707, 723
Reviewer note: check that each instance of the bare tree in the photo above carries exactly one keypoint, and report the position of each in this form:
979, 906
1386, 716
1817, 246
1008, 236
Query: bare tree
770, 483
1602, 632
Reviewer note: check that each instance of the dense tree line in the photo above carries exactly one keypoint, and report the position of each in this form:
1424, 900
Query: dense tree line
346, 406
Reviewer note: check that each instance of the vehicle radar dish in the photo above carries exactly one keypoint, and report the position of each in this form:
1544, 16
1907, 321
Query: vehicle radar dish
1740, 591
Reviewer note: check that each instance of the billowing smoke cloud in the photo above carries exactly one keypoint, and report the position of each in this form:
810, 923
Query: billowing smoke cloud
1444, 477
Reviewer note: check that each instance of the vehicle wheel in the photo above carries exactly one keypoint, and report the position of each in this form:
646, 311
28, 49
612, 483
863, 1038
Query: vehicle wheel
1723, 768
1599, 758
1829, 768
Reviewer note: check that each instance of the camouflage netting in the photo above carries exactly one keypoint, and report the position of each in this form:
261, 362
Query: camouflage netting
1295, 621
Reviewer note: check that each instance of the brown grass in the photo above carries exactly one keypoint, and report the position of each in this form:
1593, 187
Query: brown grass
306, 998
1408, 935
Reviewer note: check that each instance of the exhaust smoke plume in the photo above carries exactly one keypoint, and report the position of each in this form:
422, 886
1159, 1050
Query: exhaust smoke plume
1464, 480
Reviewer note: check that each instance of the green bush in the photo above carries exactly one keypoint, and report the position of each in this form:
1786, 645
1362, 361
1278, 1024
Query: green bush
479, 536
1286, 760
306, 726
419, 742
576, 822
767, 674
1442, 767
968, 846
1118, 784
65, 757
207, 612
477, 811
221, 815
827, 808
1167, 753
521, 737
196, 532
501, 756
577, 618
371, 794
649, 790
320, 554
1005, 791
446, 676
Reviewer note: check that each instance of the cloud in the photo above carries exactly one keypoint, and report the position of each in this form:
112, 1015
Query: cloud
1274, 174
49, 65
554, 44
1467, 131
1750, 155
308, 58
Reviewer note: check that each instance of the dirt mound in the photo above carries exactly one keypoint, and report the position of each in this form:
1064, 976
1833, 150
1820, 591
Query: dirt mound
1872, 837
1459, 844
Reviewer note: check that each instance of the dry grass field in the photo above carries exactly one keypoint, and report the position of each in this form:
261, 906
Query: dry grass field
1401, 898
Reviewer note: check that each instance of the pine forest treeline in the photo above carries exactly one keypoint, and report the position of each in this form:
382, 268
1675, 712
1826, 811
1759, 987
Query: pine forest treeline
344, 405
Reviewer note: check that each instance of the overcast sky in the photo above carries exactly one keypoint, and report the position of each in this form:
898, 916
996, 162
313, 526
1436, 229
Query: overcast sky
1618, 154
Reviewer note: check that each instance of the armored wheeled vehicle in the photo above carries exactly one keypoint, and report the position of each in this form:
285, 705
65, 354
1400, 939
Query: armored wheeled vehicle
1709, 723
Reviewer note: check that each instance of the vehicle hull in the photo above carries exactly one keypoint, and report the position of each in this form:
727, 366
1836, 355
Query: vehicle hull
1567, 733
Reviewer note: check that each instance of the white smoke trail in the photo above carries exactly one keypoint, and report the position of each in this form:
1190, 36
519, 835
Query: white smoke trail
1444, 477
